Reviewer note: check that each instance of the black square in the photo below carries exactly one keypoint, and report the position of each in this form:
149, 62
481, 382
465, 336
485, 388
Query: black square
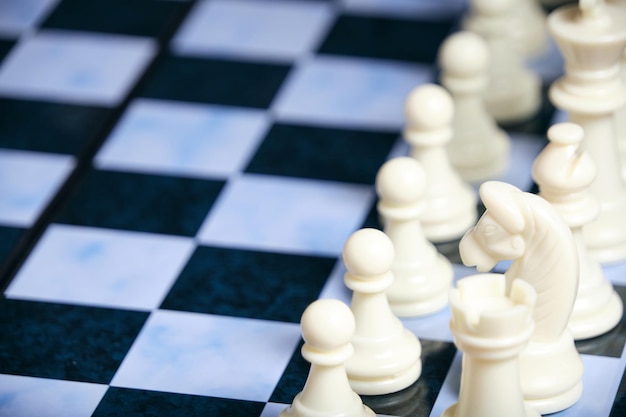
215, 81
65, 342
322, 153
5, 47
252, 284
611, 343
129, 17
122, 402
141, 202
50, 127
419, 398
9, 237
387, 38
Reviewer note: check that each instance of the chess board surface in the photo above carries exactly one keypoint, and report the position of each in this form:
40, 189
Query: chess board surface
177, 180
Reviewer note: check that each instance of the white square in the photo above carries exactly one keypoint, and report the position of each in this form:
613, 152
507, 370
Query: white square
183, 139
22, 396
279, 30
28, 180
349, 92
101, 267
75, 67
19, 16
286, 214
201, 354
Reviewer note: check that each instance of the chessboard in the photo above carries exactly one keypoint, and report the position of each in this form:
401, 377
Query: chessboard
177, 181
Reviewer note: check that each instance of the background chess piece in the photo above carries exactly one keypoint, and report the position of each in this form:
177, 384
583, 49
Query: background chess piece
564, 173
422, 276
514, 92
592, 38
449, 201
479, 149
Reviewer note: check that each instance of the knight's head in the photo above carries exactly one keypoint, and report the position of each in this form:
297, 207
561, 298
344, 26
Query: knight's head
499, 233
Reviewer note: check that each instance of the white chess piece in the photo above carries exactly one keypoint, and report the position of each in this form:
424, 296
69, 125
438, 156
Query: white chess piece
529, 27
491, 328
564, 173
526, 229
479, 149
514, 92
387, 356
422, 276
449, 202
592, 38
327, 327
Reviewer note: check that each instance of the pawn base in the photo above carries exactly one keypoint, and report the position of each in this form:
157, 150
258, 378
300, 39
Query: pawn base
453, 411
551, 374
386, 384
354, 408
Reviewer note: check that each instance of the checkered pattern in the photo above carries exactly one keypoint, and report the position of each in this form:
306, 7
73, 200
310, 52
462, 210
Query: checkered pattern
177, 180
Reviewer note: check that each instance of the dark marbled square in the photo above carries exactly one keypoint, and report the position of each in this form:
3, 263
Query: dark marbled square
50, 127
215, 81
141, 202
9, 236
261, 285
65, 342
322, 153
611, 343
122, 402
418, 399
129, 17
387, 38
5, 47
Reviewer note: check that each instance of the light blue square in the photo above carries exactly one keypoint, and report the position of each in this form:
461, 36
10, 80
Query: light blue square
101, 267
183, 139
419, 9
349, 92
276, 30
22, 396
17, 16
72, 67
289, 215
28, 180
202, 354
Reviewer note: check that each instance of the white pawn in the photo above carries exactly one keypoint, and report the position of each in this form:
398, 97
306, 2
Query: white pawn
449, 202
491, 329
479, 149
387, 356
422, 276
564, 173
327, 327
514, 92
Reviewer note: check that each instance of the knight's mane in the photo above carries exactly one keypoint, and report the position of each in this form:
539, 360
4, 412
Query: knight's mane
550, 264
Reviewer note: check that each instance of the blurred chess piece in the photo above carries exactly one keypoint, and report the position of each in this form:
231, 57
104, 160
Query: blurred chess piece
449, 201
479, 149
514, 92
422, 276
592, 39
564, 173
